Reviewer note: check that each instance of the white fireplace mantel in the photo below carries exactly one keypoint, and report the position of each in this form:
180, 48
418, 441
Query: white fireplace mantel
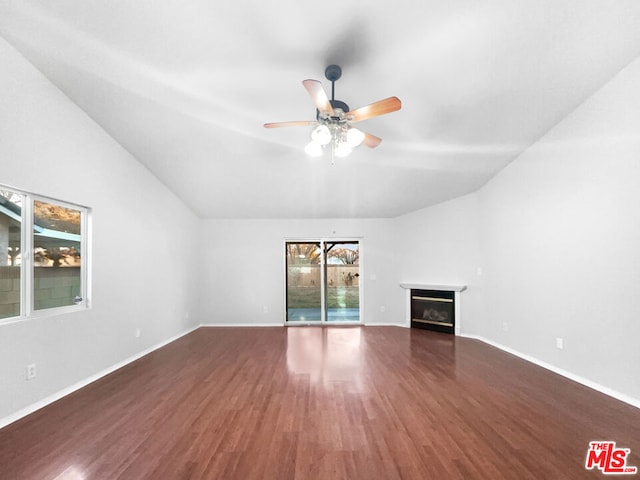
429, 286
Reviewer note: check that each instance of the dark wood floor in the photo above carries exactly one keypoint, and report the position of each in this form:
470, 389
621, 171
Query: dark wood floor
314, 403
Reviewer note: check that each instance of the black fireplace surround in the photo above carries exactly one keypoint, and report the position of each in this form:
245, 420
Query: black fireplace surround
433, 310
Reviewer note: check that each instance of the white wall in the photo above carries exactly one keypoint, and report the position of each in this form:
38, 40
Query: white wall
560, 241
557, 237
440, 245
244, 268
144, 241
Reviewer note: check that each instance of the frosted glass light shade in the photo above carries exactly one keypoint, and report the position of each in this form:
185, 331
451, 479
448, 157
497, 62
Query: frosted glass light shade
321, 135
313, 149
342, 150
354, 137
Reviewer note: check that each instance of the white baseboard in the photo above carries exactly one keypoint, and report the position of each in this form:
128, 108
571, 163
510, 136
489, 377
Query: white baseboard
318, 324
83, 383
243, 325
635, 402
386, 324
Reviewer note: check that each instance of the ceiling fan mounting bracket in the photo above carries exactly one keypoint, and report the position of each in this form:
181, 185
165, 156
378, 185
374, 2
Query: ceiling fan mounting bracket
333, 73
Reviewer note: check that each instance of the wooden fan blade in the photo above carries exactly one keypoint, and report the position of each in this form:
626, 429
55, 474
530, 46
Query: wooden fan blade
371, 141
318, 95
387, 105
300, 123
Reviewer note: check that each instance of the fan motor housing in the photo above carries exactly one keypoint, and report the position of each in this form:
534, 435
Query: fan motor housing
335, 104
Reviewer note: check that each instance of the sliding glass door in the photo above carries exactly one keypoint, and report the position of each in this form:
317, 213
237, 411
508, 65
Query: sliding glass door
342, 281
323, 281
304, 281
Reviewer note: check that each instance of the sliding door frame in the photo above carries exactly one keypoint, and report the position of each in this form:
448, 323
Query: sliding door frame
323, 308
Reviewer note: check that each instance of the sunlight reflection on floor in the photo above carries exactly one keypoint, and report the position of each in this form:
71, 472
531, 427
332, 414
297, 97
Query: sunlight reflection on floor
326, 354
71, 473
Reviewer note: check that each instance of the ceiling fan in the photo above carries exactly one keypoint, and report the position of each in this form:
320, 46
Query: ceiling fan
334, 121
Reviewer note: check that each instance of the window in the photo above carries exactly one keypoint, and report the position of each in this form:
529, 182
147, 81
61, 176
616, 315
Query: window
10, 253
43, 255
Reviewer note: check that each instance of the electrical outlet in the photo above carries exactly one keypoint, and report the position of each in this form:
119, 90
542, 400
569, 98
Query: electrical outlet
31, 371
505, 326
383, 308
137, 332
265, 309
559, 343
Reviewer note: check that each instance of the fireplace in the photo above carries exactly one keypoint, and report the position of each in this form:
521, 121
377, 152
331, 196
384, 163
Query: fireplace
433, 310
434, 306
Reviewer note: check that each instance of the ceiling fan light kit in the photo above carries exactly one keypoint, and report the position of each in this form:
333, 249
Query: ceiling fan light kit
334, 119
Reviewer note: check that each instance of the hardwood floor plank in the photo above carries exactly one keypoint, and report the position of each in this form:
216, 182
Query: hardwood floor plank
320, 403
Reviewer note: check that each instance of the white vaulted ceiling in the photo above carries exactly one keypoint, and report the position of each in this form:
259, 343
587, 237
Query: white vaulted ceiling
186, 87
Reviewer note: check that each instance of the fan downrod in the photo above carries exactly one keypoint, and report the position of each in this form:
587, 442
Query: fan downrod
333, 73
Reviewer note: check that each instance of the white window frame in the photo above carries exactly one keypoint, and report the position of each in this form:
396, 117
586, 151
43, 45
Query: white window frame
27, 304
